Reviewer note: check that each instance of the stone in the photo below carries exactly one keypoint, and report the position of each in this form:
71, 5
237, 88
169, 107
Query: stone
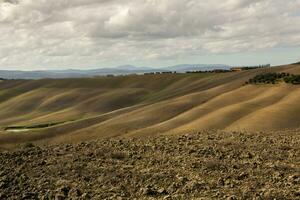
60, 197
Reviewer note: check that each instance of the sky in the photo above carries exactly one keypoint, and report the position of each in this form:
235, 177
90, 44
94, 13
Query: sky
84, 34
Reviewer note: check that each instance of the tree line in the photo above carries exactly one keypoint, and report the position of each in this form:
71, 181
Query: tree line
272, 78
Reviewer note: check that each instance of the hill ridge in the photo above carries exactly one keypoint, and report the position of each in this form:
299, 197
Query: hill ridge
144, 105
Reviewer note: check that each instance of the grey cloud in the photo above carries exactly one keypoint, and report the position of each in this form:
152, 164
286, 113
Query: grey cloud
90, 31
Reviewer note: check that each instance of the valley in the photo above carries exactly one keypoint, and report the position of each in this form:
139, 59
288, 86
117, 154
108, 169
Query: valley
84, 109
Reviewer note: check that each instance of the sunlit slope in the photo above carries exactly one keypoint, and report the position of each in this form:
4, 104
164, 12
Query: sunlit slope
221, 111
146, 105
69, 99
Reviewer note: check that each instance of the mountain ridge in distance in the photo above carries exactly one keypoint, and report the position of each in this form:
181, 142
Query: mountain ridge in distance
119, 70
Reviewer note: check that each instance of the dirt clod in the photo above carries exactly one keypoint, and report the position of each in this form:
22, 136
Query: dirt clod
206, 165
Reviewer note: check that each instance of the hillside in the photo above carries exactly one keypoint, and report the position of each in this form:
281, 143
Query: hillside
205, 165
103, 107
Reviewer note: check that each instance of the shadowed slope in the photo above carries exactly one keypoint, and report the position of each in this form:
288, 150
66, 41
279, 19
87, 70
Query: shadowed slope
146, 105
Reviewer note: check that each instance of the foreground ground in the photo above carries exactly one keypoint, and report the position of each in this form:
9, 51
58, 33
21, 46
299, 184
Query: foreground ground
206, 165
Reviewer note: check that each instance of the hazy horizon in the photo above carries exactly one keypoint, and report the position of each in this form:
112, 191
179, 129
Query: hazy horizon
89, 34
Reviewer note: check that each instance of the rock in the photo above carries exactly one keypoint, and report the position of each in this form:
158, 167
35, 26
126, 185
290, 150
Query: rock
193, 186
65, 190
42, 163
168, 197
297, 193
85, 196
221, 182
60, 197
181, 179
242, 176
294, 179
48, 196
233, 197
74, 193
29, 195
148, 191
162, 191
2, 196
4, 182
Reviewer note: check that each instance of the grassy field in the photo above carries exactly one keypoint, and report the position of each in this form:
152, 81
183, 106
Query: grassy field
144, 105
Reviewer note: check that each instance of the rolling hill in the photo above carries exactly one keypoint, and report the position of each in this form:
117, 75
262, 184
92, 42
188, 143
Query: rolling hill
145, 105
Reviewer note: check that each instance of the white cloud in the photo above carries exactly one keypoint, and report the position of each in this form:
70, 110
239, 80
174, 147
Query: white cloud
93, 32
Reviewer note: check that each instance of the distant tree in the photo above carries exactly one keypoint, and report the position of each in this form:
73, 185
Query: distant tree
272, 78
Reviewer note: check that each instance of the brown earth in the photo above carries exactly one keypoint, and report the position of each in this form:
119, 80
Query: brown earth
126, 106
203, 165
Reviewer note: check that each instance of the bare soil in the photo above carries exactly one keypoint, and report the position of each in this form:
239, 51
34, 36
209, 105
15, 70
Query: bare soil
204, 165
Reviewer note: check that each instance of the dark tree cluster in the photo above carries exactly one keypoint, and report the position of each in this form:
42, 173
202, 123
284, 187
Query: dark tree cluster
165, 72
169, 72
256, 67
297, 63
208, 71
195, 72
272, 78
293, 79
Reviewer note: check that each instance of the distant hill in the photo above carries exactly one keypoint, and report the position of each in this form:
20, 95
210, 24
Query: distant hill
133, 68
297, 63
74, 110
120, 70
196, 67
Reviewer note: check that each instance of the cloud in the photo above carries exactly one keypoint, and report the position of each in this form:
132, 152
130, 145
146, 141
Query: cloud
106, 32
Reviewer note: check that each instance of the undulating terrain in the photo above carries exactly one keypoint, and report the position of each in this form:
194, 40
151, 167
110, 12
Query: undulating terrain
159, 136
142, 105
